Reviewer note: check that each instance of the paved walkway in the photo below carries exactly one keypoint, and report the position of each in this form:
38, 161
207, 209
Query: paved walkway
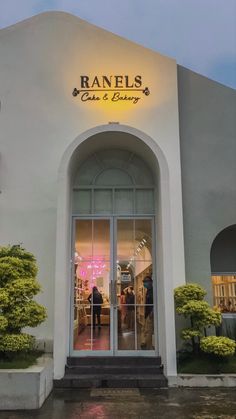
134, 403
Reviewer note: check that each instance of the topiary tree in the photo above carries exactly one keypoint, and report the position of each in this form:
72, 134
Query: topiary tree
218, 346
18, 286
189, 302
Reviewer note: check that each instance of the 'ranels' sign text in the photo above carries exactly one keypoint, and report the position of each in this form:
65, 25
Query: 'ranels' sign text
114, 88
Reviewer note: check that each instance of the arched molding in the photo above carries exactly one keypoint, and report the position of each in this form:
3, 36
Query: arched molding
166, 247
67, 156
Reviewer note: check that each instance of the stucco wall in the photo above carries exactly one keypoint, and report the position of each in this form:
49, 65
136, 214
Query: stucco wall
41, 62
208, 158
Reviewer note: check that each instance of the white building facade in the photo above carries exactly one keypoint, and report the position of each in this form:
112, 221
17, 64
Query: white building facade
94, 139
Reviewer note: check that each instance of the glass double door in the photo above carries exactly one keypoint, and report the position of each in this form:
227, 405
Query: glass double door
113, 297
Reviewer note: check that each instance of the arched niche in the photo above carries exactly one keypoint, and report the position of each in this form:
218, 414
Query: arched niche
223, 268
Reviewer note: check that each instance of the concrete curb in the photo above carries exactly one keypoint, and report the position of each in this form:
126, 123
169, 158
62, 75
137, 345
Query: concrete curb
26, 388
201, 380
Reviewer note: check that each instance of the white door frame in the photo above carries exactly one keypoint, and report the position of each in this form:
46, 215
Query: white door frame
113, 351
118, 352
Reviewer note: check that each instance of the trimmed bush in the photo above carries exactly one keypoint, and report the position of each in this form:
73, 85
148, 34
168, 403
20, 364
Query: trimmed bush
18, 286
3, 323
16, 342
184, 293
218, 345
189, 302
189, 333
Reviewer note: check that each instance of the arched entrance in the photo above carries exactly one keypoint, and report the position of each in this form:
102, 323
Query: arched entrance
223, 270
168, 240
114, 308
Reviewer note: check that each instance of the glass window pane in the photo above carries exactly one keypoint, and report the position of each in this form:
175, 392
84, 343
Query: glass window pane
82, 330
145, 327
141, 173
224, 292
125, 240
103, 201
92, 306
114, 177
100, 328
144, 201
125, 298
126, 327
83, 239
81, 202
140, 270
124, 201
101, 240
143, 240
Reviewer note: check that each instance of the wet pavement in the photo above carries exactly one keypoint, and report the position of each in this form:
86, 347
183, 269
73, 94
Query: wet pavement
134, 403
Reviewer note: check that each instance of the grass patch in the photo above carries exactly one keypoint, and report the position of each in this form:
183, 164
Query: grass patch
21, 360
204, 364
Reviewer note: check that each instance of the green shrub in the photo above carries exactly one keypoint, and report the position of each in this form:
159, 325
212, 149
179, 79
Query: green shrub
4, 298
184, 293
22, 289
218, 345
189, 333
18, 286
28, 314
13, 268
189, 302
3, 323
17, 251
16, 342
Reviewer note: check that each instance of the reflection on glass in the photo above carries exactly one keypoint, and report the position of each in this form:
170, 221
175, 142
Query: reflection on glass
99, 320
144, 201
91, 285
103, 201
134, 292
83, 240
101, 240
132, 287
126, 327
81, 203
125, 240
143, 239
124, 201
126, 307
145, 327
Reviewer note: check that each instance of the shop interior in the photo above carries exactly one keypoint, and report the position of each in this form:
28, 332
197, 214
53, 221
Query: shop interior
224, 293
113, 308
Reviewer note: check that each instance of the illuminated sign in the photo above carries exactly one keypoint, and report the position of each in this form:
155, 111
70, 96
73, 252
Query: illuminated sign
125, 277
113, 88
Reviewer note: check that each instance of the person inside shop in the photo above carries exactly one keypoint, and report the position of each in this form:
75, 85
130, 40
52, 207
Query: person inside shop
147, 332
96, 300
129, 301
123, 309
